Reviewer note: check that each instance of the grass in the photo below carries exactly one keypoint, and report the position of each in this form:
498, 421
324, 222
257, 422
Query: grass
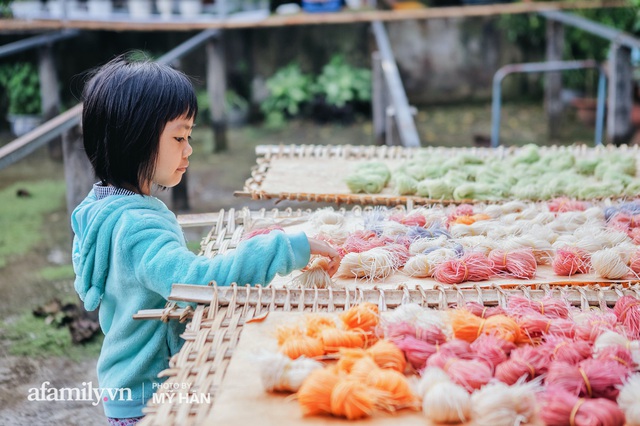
57, 273
22, 217
30, 336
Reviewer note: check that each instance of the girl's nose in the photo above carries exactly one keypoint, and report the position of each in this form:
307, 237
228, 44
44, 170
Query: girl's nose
188, 150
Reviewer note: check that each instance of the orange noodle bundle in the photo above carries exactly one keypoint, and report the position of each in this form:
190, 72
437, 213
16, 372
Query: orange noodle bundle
520, 263
547, 306
348, 358
387, 355
469, 327
570, 261
461, 210
470, 267
469, 220
296, 346
314, 395
363, 316
396, 388
316, 323
353, 400
333, 339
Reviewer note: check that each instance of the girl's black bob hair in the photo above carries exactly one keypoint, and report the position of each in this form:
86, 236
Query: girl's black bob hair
127, 104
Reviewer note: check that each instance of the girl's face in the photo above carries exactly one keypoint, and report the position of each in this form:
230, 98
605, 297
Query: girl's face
173, 153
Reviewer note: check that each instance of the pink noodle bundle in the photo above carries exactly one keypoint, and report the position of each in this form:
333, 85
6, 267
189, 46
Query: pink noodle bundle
627, 309
400, 254
567, 350
595, 325
634, 262
635, 235
454, 348
361, 241
471, 374
430, 333
623, 222
528, 361
595, 378
564, 204
517, 263
491, 349
261, 231
548, 306
413, 219
570, 261
482, 311
534, 326
461, 210
470, 267
618, 354
562, 408
416, 351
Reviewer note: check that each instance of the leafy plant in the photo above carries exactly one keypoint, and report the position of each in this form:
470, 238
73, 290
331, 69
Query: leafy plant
340, 83
232, 100
5, 10
289, 89
22, 86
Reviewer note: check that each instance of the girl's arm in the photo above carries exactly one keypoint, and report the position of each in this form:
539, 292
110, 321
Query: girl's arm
159, 259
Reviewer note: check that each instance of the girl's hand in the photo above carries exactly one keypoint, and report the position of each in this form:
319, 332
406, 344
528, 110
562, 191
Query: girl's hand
323, 249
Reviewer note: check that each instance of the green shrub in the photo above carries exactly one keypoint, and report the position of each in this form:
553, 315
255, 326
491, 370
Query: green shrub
340, 83
22, 87
289, 89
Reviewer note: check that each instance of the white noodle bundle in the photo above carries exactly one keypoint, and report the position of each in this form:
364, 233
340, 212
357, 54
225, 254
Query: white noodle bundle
330, 225
498, 404
478, 243
542, 249
481, 227
422, 244
629, 400
418, 316
316, 276
394, 229
609, 264
423, 265
326, 217
497, 210
279, 373
611, 338
543, 218
371, 264
442, 400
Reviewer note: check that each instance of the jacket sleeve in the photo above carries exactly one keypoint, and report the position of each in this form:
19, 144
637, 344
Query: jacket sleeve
159, 258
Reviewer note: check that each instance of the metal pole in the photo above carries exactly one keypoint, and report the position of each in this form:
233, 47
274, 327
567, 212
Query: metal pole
525, 68
31, 42
602, 96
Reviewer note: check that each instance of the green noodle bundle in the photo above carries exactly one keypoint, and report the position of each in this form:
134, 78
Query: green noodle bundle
370, 178
405, 184
435, 189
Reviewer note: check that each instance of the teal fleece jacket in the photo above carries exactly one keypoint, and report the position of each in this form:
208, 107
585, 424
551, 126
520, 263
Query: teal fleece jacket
127, 251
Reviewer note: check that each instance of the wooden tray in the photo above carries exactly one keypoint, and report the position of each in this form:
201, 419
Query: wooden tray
213, 335
316, 172
230, 226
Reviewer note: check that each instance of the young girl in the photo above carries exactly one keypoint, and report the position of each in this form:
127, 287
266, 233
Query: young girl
128, 247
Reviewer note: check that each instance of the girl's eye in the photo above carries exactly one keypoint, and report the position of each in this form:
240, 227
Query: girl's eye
180, 139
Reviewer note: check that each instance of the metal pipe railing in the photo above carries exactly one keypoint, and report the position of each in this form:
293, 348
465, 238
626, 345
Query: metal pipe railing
36, 41
544, 67
402, 113
46, 132
617, 36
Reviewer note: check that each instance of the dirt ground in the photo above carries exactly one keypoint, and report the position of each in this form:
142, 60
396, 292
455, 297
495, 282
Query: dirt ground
212, 180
